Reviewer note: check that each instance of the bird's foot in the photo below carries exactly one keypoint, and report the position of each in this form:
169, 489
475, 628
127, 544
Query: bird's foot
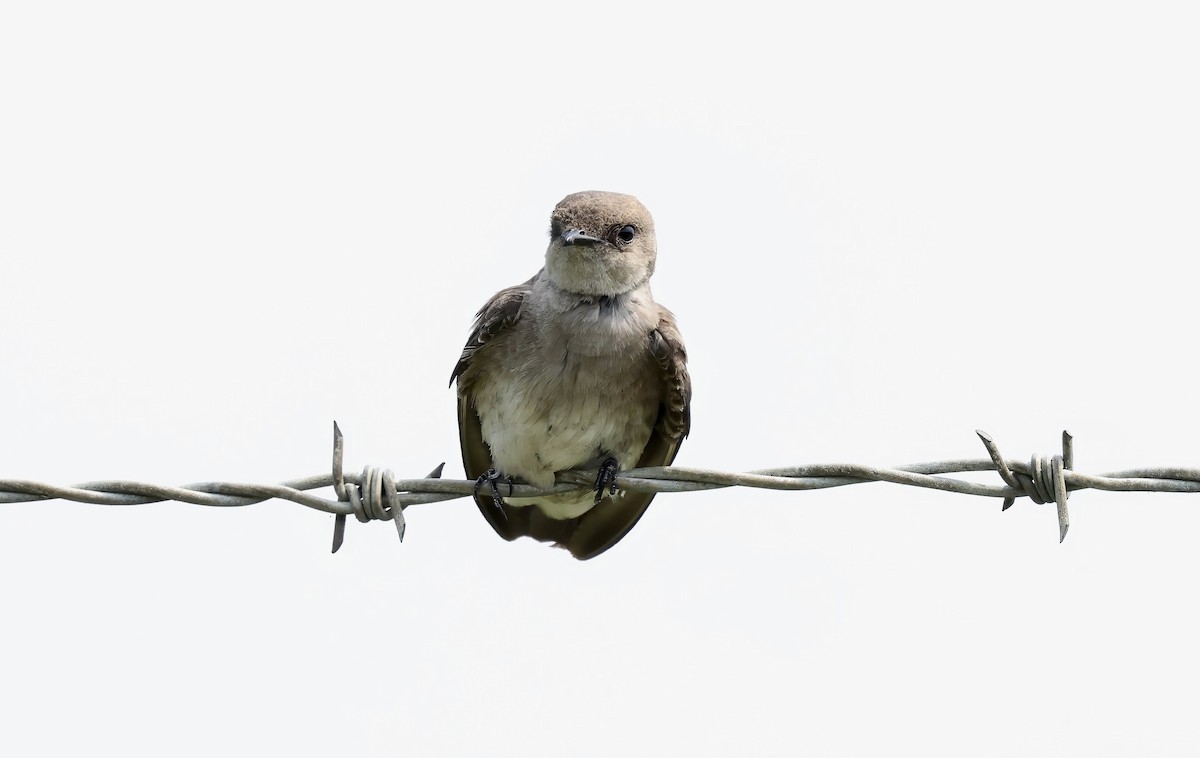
492, 479
606, 479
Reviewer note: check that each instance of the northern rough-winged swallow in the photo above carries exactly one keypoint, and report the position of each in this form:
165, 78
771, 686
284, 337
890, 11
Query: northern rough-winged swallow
577, 368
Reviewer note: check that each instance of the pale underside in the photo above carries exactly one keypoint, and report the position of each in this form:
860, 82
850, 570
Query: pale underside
546, 405
552, 380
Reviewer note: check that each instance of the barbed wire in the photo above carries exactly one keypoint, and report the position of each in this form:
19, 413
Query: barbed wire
375, 493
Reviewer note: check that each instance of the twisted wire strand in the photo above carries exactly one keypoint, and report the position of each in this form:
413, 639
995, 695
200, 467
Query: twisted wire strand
376, 494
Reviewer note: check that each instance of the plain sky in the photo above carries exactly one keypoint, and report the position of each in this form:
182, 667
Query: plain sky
224, 225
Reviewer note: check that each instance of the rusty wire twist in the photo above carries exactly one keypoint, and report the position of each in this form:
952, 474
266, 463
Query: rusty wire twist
375, 494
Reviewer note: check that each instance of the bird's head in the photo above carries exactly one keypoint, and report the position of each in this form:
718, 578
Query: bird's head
601, 243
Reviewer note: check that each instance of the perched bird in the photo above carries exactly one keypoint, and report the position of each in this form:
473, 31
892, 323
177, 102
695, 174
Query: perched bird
577, 368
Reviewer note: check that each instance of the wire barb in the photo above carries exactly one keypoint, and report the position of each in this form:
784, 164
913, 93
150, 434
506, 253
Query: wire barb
376, 494
374, 497
1044, 483
339, 487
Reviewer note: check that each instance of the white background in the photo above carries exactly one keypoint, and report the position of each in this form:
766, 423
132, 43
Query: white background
882, 226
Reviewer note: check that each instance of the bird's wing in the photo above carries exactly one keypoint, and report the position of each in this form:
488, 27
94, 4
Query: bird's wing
602, 527
497, 315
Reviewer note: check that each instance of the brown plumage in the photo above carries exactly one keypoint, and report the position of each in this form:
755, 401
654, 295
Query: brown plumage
573, 367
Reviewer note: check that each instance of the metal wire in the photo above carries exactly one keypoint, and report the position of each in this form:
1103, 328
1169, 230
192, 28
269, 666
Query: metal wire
376, 494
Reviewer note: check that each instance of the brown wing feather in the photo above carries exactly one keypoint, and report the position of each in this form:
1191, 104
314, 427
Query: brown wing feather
498, 314
602, 527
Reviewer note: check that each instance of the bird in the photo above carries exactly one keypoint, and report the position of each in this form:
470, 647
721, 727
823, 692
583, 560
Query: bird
576, 368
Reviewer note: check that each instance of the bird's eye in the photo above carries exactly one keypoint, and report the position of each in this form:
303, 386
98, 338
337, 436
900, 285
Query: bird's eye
624, 234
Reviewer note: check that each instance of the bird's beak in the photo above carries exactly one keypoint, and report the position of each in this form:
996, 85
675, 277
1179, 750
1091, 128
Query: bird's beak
573, 236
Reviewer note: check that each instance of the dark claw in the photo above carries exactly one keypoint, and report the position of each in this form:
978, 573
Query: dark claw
606, 478
492, 479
